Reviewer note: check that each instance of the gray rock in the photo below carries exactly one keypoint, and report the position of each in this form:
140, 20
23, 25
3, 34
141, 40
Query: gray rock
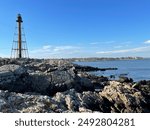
16, 102
40, 83
124, 97
73, 102
83, 109
67, 79
13, 78
92, 101
70, 99
85, 83
29, 81
125, 79
3, 104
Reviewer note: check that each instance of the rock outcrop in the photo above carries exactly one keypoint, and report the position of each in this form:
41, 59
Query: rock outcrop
45, 77
125, 98
13, 78
58, 86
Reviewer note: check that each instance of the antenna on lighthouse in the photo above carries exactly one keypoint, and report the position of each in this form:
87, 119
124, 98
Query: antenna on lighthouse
19, 48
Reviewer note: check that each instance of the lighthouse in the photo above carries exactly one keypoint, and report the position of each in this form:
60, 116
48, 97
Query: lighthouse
19, 21
19, 48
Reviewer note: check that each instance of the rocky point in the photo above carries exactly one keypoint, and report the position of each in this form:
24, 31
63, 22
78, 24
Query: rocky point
38, 85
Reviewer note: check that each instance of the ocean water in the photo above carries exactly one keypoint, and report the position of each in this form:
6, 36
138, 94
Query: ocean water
135, 69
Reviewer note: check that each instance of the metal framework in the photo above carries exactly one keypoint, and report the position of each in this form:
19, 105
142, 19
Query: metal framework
19, 47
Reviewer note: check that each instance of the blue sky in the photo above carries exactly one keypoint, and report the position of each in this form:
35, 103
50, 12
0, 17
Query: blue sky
78, 28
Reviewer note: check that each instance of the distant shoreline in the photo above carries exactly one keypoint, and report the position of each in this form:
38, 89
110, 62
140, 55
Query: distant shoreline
89, 59
95, 59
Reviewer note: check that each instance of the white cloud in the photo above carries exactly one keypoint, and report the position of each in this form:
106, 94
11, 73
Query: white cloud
147, 42
94, 43
118, 46
105, 42
47, 47
109, 42
127, 42
48, 51
63, 48
133, 50
123, 45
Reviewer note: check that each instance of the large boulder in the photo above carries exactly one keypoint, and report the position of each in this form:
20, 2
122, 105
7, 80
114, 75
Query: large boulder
125, 79
124, 97
73, 100
40, 83
91, 100
37, 78
63, 76
13, 78
11, 102
65, 79
144, 88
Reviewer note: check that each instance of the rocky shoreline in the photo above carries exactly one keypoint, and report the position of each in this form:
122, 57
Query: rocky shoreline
35, 85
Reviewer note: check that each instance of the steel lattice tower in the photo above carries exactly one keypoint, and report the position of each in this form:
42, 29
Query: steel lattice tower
19, 47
